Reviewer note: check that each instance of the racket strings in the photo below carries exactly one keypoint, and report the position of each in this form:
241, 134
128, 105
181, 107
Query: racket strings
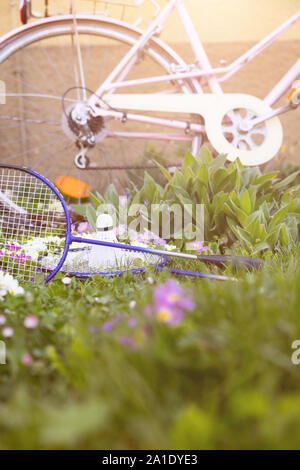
32, 221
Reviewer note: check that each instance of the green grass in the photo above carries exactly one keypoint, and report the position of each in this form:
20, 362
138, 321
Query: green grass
221, 379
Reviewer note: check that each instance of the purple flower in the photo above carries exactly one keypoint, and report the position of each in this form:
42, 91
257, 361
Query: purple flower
171, 316
127, 341
13, 247
132, 322
84, 227
93, 329
199, 247
108, 326
170, 302
147, 310
171, 294
118, 319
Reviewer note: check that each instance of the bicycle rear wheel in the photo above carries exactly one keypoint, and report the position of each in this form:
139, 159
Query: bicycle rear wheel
38, 64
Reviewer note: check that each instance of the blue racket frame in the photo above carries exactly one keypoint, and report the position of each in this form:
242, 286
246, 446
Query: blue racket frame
69, 239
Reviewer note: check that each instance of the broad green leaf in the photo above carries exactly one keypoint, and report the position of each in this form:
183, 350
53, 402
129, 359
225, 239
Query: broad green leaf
91, 216
80, 209
150, 188
112, 196
189, 160
202, 174
268, 177
218, 163
218, 178
205, 155
245, 203
283, 235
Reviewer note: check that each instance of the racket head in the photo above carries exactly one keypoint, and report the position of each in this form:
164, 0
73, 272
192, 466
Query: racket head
33, 218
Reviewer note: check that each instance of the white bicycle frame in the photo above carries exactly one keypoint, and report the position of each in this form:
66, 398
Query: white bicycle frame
106, 102
201, 69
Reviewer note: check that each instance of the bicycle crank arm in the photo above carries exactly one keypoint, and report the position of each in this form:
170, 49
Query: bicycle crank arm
275, 112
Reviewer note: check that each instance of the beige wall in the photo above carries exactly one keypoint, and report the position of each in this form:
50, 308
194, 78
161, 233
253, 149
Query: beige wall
216, 20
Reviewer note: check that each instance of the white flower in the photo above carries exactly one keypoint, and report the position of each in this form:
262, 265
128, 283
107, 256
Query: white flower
132, 304
9, 285
170, 247
55, 206
66, 281
7, 332
31, 322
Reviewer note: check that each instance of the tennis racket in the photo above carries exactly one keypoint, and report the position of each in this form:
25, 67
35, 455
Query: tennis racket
36, 235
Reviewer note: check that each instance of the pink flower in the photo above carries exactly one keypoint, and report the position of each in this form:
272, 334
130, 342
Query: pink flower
84, 227
171, 294
127, 341
7, 332
2, 319
26, 359
147, 310
170, 302
197, 245
108, 326
31, 322
132, 322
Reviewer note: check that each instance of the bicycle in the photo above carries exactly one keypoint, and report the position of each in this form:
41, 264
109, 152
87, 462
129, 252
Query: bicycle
62, 114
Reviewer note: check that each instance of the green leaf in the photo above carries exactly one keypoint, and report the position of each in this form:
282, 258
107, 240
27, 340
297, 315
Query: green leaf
218, 164
150, 188
96, 200
189, 160
218, 178
91, 216
202, 174
283, 235
288, 180
178, 179
80, 209
111, 196
245, 203
264, 178
164, 171
279, 216
205, 156
239, 213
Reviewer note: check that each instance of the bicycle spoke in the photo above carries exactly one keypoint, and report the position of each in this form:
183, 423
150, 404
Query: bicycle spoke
35, 132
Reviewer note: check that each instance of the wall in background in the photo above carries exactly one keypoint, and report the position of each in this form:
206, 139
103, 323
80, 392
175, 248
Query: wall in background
216, 20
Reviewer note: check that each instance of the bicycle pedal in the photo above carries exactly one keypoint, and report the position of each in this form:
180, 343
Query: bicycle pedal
294, 96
